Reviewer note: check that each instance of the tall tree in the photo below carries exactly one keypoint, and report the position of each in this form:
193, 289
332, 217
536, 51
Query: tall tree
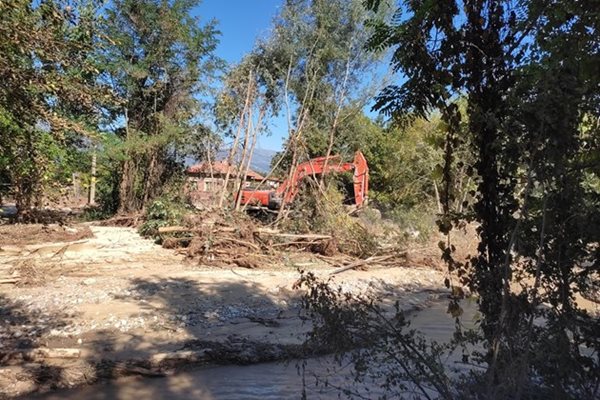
48, 98
251, 94
324, 66
529, 71
158, 58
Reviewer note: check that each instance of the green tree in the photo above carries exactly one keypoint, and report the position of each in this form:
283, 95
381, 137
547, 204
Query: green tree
47, 75
158, 59
529, 74
322, 64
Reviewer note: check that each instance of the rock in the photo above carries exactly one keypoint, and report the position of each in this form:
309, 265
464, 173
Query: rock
89, 281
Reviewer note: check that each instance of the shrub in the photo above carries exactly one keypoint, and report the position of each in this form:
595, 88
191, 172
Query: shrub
164, 211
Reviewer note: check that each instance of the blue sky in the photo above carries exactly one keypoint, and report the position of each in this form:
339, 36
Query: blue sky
240, 23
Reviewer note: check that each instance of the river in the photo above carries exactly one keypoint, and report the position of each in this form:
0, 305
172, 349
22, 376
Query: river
254, 382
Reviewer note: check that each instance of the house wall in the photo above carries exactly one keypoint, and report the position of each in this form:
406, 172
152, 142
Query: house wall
203, 191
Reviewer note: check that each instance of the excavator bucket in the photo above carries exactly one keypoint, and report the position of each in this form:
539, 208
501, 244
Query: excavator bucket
286, 192
361, 179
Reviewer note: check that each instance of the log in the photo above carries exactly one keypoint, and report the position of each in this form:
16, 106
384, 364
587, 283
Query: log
359, 263
9, 280
45, 352
185, 355
241, 242
262, 231
308, 236
176, 229
294, 243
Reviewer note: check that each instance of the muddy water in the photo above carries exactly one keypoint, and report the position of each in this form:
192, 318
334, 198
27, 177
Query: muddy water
263, 381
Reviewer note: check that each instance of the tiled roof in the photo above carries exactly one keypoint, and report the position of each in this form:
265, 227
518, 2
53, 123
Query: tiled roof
220, 168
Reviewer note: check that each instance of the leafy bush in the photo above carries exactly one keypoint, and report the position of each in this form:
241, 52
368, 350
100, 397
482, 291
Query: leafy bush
322, 211
95, 213
417, 223
164, 211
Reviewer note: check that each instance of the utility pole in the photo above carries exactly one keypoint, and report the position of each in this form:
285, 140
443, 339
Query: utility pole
92, 199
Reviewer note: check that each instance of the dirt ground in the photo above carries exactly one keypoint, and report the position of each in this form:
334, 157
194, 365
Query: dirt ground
23, 234
119, 305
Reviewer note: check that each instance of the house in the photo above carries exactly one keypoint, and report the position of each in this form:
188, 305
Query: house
204, 181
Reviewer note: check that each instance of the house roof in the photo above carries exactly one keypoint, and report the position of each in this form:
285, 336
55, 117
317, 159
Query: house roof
220, 168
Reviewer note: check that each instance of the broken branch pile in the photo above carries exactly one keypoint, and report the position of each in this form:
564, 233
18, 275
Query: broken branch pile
223, 240
226, 239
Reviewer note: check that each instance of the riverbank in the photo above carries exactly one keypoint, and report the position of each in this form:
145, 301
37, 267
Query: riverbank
264, 381
115, 304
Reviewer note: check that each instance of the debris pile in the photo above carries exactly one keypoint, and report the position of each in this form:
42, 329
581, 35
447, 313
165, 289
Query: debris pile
221, 239
26, 234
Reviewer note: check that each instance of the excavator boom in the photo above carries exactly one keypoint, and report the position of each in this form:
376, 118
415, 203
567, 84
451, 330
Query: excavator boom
287, 191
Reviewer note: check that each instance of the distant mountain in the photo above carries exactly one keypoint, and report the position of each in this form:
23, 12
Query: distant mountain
261, 159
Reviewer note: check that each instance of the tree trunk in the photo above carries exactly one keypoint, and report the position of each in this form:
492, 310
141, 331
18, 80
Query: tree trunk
153, 177
248, 161
127, 201
236, 140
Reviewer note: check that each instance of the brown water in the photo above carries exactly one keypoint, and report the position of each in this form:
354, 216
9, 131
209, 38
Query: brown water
261, 381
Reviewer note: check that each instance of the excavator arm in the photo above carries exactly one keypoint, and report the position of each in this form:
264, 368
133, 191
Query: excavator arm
287, 191
325, 165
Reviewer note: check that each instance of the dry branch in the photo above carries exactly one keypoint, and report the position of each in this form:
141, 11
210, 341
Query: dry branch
41, 352
176, 229
299, 236
240, 242
359, 263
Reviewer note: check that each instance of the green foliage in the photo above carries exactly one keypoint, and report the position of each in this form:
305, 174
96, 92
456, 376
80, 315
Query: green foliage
323, 211
526, 71
159, 60
319, 49
164, 211
48, 98
378, 342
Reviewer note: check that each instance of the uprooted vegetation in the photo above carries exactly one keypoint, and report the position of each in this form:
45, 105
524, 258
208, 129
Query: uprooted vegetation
317, 223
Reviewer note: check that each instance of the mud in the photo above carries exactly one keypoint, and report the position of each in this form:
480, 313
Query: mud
281, 380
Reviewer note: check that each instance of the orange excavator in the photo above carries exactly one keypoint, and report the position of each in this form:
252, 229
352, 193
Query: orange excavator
285, 193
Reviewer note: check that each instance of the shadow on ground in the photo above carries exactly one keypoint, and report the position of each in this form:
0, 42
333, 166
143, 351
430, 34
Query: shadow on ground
187, 314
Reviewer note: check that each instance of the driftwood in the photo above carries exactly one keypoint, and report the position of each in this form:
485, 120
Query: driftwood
241, 242
176, 229
295, 243
298, 236
359, 263
186, 355
9, 280
260, 231
44, 352
41, 352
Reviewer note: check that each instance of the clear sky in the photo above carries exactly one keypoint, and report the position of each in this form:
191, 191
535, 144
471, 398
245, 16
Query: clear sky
241, 22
